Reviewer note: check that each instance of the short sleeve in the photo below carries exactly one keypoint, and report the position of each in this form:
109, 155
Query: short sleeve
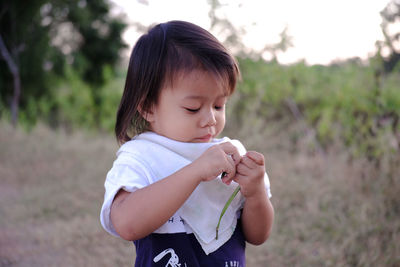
127, 173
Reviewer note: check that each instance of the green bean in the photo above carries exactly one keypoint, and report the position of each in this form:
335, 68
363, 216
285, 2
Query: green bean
226, 207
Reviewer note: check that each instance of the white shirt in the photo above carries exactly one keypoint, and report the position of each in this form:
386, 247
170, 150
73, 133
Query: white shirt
148, 158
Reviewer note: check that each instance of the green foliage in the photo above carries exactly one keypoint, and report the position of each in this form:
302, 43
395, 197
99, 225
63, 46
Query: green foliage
27, 42
72, 105
349, 101
353, 103
44, 38
101, 39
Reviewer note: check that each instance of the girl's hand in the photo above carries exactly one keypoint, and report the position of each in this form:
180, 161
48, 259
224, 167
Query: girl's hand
250, 174
216, 160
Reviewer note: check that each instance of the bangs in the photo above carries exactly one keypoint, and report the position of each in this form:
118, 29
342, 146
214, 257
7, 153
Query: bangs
180, 61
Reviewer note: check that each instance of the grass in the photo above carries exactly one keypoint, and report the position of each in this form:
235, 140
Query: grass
51, 192
330, 211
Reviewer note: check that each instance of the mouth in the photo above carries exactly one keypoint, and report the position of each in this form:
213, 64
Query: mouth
205, 138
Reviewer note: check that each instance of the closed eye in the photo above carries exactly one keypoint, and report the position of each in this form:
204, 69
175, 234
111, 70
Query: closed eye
192, 110
219, 107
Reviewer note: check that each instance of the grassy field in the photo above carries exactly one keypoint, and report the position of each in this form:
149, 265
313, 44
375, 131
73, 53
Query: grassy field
329, 212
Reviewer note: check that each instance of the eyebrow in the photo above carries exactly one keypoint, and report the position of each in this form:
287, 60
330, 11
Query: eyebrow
201, 97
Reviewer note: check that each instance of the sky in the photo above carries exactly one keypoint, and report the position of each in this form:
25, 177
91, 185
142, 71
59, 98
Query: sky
322, 31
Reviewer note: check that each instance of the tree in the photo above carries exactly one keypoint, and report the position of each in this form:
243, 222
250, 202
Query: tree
22, 52
390, 16
230, 34
14, 69
38, 38
282, 46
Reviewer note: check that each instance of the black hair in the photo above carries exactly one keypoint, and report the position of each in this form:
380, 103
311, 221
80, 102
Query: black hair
165, 51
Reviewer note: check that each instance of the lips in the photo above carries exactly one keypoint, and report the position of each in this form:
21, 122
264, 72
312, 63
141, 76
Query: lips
205, 138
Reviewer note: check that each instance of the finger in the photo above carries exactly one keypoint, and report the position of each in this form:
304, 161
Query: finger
229, 170
248, 162
242, 169
231, 161
227, 181
228, 177
231, 150
256, 157
240, 179
228, 174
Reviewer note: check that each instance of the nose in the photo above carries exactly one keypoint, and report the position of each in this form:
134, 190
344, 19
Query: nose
209, 118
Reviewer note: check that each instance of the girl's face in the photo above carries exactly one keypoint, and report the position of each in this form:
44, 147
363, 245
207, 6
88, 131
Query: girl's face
192, 110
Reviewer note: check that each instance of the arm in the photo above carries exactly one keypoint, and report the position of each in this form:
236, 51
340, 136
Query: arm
136, 215
258, 212
257, 219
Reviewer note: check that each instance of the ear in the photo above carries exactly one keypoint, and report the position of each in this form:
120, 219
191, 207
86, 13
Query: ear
147, 115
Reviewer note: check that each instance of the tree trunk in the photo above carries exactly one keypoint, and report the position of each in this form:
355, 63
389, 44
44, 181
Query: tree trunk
16, 81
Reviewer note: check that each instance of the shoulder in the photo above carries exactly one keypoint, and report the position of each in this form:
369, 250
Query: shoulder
134, 146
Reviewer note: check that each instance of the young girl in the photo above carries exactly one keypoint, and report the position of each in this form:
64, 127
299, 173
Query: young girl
172, 176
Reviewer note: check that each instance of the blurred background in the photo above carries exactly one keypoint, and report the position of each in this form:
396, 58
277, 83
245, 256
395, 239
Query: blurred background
319, 97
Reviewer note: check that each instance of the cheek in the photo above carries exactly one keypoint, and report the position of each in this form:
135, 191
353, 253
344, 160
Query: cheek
181, 124
221, 121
